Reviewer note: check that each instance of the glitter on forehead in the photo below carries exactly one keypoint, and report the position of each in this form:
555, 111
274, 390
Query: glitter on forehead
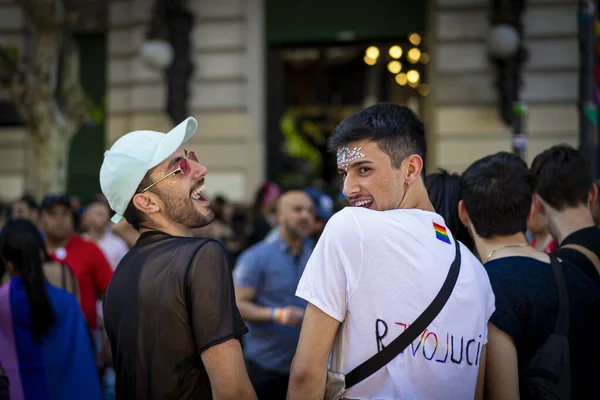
345, 156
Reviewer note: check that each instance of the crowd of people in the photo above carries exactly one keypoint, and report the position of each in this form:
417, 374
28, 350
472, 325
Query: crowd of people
484, 284
80, 249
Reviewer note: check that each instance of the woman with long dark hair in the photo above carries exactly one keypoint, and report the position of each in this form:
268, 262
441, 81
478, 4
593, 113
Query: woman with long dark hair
44, 344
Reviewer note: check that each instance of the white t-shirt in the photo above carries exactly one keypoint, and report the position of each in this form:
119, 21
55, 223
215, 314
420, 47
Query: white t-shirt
376, 272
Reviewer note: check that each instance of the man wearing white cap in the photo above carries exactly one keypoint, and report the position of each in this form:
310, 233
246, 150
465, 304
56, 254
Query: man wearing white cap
170, 310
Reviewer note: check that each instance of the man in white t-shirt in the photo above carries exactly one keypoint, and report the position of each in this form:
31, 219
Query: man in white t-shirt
379, 264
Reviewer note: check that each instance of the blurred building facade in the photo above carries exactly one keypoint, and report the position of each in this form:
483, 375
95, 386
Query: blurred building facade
229, 84
225, 90
15, 153
463, 119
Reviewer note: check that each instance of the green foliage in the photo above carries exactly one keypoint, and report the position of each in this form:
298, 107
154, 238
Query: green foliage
98, 111
11, 51
9, 56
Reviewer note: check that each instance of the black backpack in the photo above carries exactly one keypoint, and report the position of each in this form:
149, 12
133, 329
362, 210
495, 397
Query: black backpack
547, 376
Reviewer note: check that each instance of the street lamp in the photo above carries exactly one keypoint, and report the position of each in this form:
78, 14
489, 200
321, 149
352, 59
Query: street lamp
505, 47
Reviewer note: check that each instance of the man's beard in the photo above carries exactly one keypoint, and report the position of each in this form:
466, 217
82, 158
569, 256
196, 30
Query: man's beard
296, 233
182, 211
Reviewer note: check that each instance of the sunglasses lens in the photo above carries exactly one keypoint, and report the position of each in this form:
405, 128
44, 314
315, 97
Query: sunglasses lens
192, 156
185, 167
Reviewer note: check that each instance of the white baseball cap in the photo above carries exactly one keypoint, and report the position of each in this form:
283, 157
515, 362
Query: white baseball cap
132, 156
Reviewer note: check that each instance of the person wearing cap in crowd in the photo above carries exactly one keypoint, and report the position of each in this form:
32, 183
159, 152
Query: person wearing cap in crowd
90, 266
323, 210
170, 310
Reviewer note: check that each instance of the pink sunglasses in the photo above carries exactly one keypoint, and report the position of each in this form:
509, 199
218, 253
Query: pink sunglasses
183, 167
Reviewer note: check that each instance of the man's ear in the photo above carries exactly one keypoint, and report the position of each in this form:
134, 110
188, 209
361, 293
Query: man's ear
278, 216
413, 172
147, 202
592, 195
537, 205
463, 214
532, 208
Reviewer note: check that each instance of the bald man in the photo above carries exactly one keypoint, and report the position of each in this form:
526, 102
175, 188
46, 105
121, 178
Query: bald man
266, 277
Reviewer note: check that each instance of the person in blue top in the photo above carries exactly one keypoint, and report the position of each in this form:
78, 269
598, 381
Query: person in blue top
45, 348
266, 277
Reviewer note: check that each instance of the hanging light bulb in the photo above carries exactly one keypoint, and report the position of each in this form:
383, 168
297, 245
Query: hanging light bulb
414, 55
394, 66
413, 76
372, 52
414, 38
401, 79
369, 60
395, 52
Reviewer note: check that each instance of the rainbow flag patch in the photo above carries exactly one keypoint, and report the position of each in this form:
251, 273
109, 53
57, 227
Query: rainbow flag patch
441, 233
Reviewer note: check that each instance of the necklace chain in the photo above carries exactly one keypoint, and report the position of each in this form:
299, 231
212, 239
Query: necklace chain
504, 247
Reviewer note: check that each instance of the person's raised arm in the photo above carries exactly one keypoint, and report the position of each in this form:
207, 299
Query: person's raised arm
217, 323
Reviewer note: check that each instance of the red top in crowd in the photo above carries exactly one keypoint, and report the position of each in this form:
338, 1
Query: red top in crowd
550, 247
92, 270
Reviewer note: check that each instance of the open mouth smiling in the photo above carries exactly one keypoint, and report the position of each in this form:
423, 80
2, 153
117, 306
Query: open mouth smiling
196, 194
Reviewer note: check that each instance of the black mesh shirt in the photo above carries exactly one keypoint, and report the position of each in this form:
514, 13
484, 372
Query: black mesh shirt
170, 299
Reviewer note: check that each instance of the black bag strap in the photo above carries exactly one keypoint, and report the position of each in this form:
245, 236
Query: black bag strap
379, 360
561, 326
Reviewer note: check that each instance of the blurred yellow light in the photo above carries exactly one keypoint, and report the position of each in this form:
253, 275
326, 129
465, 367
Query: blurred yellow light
370, 61
424, 89
413, 55
372, 52
424, 58
413, 84
395, 51
415, 39
401, 79
412, 76
394, 66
